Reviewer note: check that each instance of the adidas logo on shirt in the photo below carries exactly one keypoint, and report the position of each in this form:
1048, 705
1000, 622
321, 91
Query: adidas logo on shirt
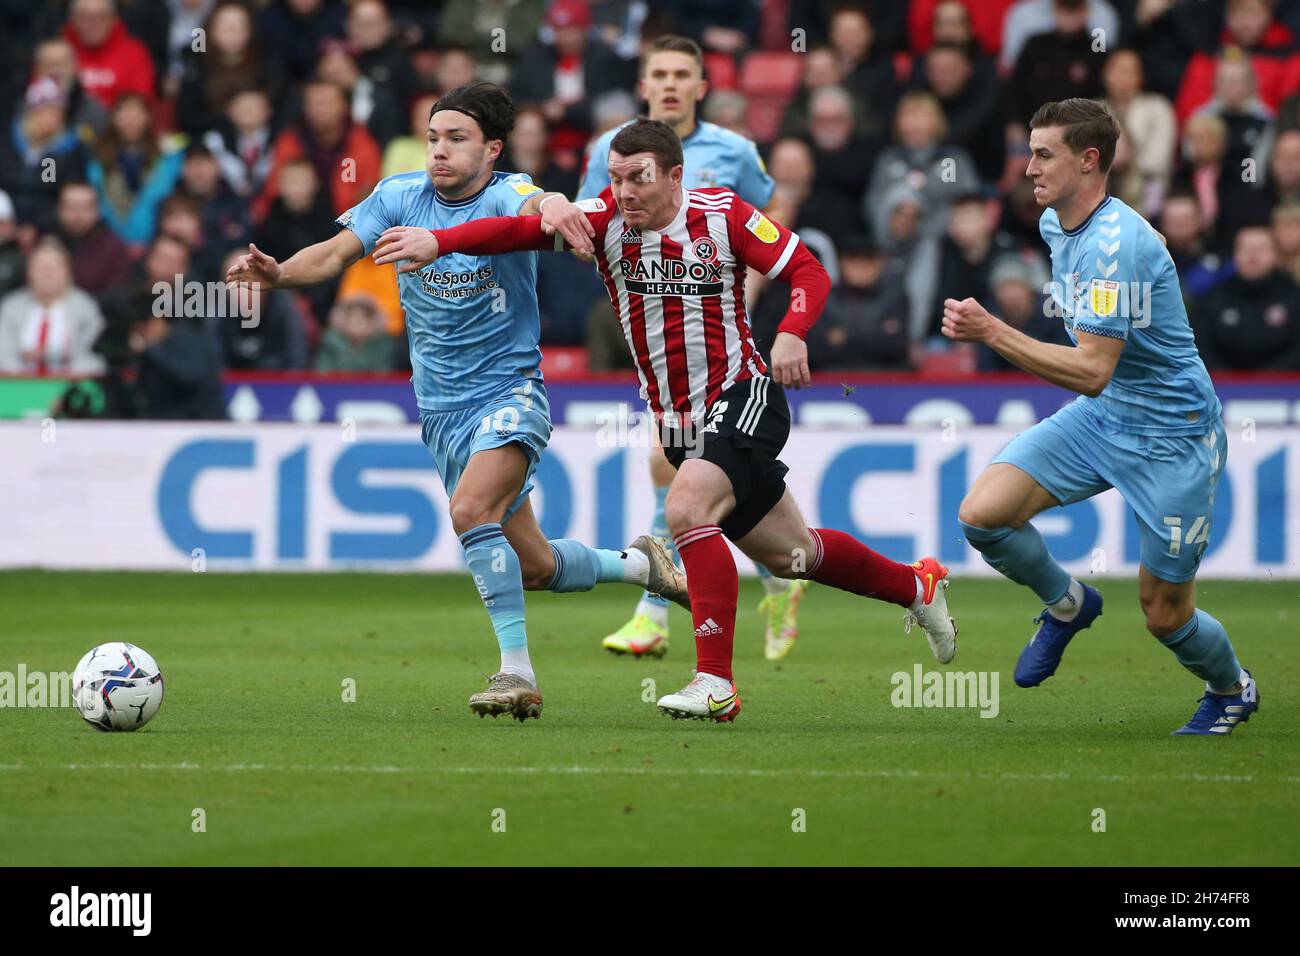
708, 628
631, 237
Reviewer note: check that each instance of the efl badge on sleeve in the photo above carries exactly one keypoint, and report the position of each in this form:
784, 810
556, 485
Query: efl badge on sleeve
762, 227
525, 189
1103, 297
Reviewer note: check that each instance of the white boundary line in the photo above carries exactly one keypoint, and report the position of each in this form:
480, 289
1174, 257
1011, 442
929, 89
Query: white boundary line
652, 772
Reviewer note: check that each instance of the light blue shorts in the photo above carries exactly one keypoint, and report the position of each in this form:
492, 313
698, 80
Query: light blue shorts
1168, 481
521, 414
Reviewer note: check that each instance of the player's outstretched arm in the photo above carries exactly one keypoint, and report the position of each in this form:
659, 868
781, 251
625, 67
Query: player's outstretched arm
492, 235
316, 263
560, 215
1085, 368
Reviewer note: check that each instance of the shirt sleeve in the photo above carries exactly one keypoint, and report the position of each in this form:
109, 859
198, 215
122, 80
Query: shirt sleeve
370, 217
1110, 296
753, 183
775, 251
759, 242
507, 196
596, 177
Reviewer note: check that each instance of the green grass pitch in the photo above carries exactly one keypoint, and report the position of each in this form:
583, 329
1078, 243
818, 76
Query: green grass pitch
254, 731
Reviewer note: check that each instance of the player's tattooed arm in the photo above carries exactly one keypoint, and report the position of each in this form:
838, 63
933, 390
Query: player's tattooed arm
560, 215
316, 263
1085, 368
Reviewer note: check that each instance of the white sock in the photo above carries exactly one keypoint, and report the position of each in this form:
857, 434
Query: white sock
656, 612
1067, 609
514, 660
1235, 689
636, 567
774, 585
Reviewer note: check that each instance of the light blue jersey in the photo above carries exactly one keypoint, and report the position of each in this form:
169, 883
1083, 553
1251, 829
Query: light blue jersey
1113, 276
713, 156
1155, 432
472, 321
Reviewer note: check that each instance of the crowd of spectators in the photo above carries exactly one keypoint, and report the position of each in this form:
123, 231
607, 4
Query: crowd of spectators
146, 140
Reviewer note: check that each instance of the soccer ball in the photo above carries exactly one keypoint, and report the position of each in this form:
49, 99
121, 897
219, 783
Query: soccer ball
117, 686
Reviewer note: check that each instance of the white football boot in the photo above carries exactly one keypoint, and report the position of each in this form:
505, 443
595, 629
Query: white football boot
705, 698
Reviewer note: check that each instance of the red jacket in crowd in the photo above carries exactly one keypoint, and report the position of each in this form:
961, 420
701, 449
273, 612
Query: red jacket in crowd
1277, 72
122, 64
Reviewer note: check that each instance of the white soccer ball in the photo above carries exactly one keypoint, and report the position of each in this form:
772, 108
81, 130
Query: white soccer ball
117, 686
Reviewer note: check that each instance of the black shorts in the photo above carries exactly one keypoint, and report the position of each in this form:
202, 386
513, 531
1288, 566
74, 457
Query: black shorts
743, 433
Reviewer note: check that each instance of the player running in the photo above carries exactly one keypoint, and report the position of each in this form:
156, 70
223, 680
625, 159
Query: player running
674, 262
672, 84
473, 326
1147, 422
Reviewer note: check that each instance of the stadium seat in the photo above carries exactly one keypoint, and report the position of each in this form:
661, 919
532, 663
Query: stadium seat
721, 70
771, 73
769, 79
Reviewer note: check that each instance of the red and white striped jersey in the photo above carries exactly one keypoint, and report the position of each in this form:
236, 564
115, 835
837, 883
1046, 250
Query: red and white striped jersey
680, 294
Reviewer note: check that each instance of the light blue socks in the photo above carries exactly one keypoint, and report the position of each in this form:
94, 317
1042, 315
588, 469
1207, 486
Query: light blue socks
1202, 646
1021, 554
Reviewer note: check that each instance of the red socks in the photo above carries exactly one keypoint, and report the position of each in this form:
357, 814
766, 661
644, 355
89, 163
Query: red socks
844, 562
714, 586
840, 561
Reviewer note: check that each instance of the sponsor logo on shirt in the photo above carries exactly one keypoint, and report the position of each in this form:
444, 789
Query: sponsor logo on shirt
631, 237
1103, 296
458, 285
672, 277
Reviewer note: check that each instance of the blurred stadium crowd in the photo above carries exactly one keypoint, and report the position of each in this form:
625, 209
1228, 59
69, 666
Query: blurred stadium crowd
896, 133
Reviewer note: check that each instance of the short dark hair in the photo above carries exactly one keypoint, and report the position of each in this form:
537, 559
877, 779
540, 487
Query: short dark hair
488, 104
644, 135
672, 43
1088, 124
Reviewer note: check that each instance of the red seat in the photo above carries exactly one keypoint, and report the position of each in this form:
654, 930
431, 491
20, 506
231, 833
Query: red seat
721, 70
771, 73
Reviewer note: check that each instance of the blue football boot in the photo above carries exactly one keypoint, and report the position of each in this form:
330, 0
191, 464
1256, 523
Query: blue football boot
1042, 655
1221, 713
